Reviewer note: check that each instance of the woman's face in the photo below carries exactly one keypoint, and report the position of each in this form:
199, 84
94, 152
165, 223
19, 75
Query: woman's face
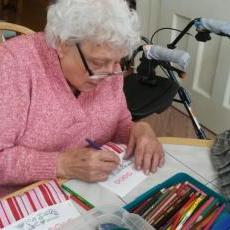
99, 58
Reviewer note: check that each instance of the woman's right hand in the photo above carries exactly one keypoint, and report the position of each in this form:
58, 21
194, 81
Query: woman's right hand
87, 164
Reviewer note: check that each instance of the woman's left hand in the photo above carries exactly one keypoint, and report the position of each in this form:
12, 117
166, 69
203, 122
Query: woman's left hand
146, 148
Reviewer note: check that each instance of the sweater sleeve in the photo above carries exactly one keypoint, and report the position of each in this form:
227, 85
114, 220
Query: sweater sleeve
125, 119
18, 164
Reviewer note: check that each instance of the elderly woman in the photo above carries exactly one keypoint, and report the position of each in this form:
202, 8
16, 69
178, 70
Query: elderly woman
65, 85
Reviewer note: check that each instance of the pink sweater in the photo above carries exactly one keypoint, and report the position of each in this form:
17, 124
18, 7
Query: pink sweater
40, 116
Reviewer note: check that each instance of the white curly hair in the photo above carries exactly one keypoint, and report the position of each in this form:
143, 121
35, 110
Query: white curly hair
101, 21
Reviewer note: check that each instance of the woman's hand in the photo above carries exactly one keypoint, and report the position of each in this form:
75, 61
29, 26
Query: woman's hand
146, 148
87, 164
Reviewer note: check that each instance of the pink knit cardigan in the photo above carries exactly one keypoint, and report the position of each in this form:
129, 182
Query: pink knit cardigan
40, 116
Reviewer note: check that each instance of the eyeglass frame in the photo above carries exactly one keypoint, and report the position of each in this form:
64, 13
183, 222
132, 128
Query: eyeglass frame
93, 75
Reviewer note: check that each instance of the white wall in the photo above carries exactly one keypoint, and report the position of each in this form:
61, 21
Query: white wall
148, 11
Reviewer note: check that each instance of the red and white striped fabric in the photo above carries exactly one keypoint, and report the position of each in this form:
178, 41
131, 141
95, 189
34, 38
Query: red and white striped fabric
18, 207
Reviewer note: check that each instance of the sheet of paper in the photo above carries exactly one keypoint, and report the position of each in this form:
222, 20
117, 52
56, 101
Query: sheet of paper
124, 178
47, 218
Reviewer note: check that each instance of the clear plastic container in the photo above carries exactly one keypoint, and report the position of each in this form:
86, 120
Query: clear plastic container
94, 219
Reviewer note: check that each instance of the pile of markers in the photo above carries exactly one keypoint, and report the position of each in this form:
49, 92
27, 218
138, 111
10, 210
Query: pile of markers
181, 206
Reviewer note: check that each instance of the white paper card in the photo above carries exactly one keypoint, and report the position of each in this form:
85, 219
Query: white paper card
124, 178
47, 218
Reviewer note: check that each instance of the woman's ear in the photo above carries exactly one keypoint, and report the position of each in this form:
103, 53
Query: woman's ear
61, 48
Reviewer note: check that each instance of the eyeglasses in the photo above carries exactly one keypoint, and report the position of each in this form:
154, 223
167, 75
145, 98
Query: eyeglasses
93, 75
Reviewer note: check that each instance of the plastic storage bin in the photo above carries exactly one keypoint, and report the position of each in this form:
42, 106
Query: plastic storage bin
95, 218
177, 178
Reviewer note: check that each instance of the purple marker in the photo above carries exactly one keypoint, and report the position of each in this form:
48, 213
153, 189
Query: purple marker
93, 144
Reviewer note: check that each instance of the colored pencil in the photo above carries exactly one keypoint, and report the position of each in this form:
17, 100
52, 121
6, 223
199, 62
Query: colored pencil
153, 206
215, 216
193, 219
155, 197
183, 210
79, 202
172, 197
190, 211
214, 204
203, 223
151, 202
141, 206
164, 204
79, 197
158, 204
167, 218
